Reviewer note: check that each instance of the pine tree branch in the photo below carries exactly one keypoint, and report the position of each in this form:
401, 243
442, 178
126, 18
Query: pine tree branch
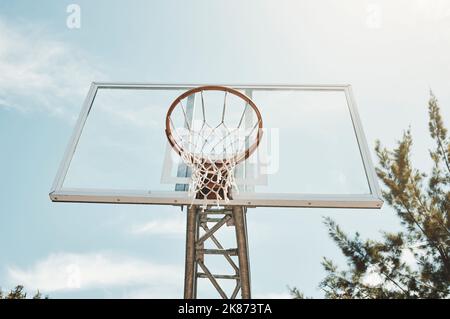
442, 149
436, 127
425, 208
423, 211
444, 153
424, 283
394, 282
429, 240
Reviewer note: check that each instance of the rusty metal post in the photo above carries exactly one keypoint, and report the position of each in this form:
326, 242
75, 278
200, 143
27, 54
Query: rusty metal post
241, 238
190, 264
196, 251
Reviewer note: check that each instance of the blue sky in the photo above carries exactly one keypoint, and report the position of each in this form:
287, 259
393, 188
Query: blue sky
392, 54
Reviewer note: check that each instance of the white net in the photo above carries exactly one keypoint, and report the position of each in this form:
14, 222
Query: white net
211, 180
210, 144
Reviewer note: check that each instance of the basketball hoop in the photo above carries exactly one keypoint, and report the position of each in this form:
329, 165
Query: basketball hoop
213, 150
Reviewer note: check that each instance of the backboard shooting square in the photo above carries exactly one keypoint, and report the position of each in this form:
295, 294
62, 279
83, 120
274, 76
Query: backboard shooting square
312, 151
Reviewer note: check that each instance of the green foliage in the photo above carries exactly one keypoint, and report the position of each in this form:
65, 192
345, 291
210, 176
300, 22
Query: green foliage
296, 294
379, 269
18, 293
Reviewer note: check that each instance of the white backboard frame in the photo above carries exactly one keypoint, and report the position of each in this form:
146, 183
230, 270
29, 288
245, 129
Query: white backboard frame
59, 193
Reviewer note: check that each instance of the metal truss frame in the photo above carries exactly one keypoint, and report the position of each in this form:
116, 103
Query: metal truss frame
197, 219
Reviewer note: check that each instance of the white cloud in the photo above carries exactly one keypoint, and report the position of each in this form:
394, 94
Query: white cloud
408, 258
40, 73
67, 271
372, 278
174, 226
433, 11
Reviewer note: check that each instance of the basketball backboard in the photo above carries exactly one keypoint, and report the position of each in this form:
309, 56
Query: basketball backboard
313, 152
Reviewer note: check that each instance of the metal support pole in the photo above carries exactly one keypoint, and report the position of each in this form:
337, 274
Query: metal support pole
196, 251
241, 238
190, 264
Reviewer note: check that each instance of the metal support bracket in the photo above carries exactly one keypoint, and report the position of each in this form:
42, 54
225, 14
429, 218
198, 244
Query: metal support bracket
198, 221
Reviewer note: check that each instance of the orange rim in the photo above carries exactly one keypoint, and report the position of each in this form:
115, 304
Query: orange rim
239, 157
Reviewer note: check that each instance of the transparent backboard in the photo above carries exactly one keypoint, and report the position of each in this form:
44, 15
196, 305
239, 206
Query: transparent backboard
312, 154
